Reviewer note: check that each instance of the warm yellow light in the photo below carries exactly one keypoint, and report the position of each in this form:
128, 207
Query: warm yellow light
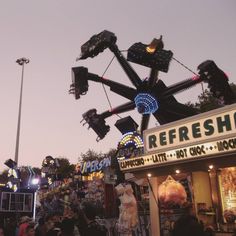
177, 171
149, 175
150, 49
211, 167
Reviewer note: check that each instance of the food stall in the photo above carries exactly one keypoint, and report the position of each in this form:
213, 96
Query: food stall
200, 153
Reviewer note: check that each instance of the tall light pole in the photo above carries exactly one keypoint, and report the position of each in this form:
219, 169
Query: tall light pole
21, 61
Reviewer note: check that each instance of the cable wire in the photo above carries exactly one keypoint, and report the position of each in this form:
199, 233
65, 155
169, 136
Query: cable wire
104, 88
187, 68
109, 64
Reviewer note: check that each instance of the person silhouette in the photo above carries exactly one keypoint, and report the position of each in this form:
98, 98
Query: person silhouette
188, 225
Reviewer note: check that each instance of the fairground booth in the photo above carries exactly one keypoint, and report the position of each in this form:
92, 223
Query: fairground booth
190, 165
98, 179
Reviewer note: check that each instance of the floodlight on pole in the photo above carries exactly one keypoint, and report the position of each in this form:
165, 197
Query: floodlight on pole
21, 61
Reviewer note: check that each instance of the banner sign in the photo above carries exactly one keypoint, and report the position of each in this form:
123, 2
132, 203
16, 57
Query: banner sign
209, 126
96, 165
193, 152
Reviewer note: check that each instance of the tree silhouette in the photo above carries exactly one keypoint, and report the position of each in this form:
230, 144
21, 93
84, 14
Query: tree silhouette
206, 100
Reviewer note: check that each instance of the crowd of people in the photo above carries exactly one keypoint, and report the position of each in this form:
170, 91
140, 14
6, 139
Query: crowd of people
83, 222
62, 211
67, 213
79, 221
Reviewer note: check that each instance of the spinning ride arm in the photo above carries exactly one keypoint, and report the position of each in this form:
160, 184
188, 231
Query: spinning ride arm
80, 84
150, 83
98, 43
118, 88
150, 93
183, 85
97, 121
155, 45
209, 73
133, 76
119, 109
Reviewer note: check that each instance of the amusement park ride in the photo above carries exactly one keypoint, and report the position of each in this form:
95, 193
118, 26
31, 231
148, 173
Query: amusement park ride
149, 96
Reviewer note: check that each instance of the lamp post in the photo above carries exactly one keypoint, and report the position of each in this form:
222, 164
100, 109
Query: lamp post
21, 61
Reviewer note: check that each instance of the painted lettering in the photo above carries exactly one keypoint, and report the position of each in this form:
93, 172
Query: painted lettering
132, 163
196, 132
161, 157
181, 153
197, 150
152, 141
226, 144
209, 128
172, 135
183, 133
223, 123
163, 138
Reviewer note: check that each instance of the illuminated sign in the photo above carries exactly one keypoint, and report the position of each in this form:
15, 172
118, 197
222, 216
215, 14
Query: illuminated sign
193, 152
217, 124
96, 165
131, 145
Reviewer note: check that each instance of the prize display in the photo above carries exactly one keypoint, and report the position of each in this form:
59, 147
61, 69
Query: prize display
227, 181
171, 193
128, 212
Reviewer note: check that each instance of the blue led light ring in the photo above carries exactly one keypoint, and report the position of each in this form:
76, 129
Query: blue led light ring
146, 103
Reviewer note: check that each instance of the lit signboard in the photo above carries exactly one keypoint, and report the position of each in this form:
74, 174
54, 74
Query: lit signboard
94, 166
199, 137
213, 125
193, 152
131, 145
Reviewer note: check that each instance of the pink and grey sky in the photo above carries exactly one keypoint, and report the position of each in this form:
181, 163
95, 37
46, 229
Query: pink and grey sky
50, 34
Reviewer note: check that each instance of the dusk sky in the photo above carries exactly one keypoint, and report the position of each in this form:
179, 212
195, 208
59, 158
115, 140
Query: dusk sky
51, 32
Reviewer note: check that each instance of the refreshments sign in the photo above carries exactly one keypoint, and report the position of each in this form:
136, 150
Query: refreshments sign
213, 125
209, 134
192, 152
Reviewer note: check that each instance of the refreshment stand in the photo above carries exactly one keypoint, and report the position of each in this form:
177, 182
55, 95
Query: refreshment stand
204, 148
